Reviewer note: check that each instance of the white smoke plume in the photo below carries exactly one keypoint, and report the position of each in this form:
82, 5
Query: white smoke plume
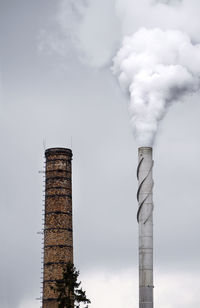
180, 15
151, 65
92, 30
157, 68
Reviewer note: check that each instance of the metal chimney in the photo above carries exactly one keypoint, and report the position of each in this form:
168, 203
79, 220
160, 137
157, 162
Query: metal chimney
145, 221
58, 239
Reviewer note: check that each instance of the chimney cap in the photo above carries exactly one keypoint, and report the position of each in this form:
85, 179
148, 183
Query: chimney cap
145, 148
55, 151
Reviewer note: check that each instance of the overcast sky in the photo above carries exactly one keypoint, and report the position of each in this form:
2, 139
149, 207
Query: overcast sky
57, 89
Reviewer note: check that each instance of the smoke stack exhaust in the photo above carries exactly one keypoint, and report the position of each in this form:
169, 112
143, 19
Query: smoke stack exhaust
145, 221
58, 239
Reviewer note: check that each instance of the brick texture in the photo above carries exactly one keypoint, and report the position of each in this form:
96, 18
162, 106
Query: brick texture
58, 238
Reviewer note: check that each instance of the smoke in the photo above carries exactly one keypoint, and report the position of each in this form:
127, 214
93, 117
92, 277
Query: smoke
172, 14
92, 30
150, 65
157, 65
86, 29
93, 27
157, 68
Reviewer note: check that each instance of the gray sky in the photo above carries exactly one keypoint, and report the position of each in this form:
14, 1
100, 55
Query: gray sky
58, 87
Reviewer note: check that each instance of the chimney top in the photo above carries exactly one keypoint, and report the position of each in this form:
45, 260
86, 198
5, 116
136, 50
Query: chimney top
55, 151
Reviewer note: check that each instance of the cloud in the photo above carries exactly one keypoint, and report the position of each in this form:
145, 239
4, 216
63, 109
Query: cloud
87, 28
89, 106
172, 290
29, 304
91, 30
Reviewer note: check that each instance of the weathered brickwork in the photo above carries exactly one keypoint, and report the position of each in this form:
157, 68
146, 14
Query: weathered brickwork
58, 239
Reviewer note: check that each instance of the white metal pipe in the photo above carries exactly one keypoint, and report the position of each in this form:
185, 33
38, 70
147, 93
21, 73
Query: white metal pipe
145, 221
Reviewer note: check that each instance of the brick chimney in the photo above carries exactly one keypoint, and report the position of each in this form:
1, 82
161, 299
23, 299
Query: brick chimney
58, 237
